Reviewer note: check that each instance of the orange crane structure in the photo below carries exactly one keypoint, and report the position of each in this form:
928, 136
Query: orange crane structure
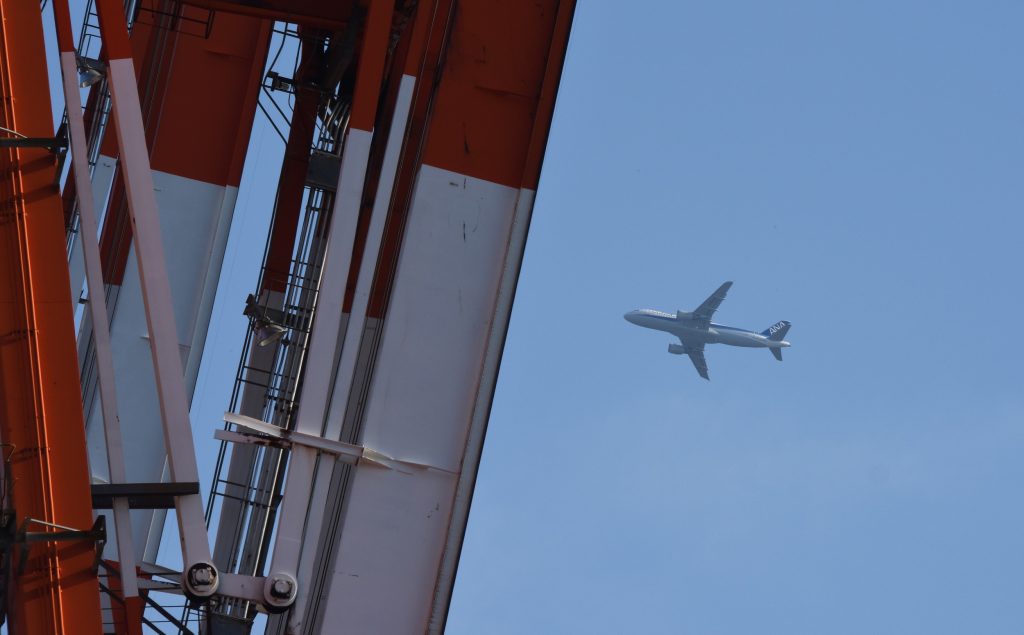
413, 133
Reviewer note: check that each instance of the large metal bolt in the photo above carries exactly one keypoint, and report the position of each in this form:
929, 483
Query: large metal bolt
279, 592
281, 588
201, 580
201, 576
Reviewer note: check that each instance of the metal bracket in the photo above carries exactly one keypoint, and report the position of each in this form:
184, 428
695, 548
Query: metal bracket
263, 433
345, 452
141, 495
270, 324
57, 145
175, 19
274, 81
53, 144
323, 170
23, 538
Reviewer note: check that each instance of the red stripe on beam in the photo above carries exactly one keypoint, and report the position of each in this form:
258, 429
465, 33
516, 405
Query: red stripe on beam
113, 29
408, 54
548, 92
435, 18
371, 64
290, 187
62, 19
418, 38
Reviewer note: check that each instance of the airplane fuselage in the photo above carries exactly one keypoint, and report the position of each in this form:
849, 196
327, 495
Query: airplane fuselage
688, 330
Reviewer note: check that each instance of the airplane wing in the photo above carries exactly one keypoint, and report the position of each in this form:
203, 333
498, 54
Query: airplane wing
696, 354
703, 313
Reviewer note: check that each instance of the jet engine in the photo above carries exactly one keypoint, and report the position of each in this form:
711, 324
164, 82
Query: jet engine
676, 349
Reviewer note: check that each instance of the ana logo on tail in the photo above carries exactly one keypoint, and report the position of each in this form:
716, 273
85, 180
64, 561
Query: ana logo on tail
777, 331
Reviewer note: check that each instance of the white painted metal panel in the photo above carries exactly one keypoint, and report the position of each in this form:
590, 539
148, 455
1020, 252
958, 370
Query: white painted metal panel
421, 405
354, 333
102, 178
481, 410
207, 286
193, 219
323, 351
391, 542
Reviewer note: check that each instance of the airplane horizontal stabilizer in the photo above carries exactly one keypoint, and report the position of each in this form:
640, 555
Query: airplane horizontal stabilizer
777, 352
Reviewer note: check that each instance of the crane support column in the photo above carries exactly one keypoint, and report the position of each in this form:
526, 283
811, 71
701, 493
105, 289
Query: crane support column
46, 471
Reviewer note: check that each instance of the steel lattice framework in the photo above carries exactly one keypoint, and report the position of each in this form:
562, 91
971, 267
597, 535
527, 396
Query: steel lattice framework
414, 133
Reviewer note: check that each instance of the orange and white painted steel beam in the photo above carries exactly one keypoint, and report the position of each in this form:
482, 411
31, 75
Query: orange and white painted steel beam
393, 113
200, 578
446, 313
509, 278
198, 110
233, 548
98, 313
324, 342
458, 123
40, 422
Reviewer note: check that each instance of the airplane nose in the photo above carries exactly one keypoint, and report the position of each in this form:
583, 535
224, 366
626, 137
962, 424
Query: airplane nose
630, 316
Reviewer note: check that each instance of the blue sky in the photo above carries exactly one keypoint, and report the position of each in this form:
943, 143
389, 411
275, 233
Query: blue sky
856, 169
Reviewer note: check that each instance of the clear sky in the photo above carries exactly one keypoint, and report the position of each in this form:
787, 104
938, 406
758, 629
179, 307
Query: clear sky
855, 168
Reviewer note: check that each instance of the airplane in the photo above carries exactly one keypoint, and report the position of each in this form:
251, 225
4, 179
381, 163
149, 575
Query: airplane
695, 329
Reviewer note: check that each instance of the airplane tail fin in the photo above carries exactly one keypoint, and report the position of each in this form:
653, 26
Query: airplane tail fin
777, 331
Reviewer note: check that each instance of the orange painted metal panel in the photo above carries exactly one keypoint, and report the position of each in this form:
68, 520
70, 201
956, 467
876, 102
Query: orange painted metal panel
207, 98
487, 100
199, 100
489, 112
371, 64
310, 13
40, 410
548, 91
